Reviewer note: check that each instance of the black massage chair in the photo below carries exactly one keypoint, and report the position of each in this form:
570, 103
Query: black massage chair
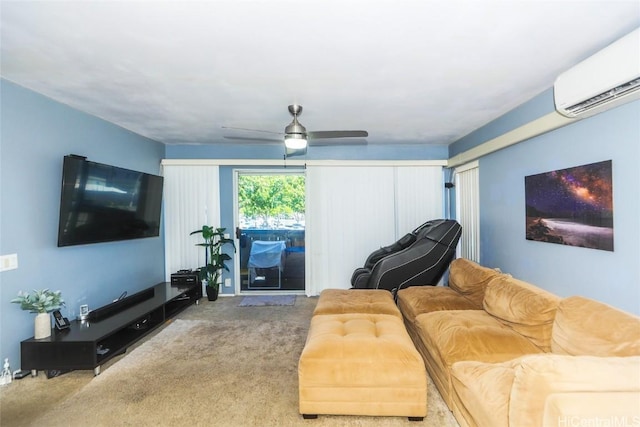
417, 259
406, 241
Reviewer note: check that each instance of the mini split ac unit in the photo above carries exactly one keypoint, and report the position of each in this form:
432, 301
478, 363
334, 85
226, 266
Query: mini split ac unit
605, 80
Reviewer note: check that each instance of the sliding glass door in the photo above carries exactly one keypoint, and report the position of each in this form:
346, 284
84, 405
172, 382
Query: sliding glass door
270, 231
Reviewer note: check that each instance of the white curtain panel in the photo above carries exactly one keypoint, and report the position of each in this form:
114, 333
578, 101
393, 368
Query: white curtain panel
467, 210
191, 200
352, 211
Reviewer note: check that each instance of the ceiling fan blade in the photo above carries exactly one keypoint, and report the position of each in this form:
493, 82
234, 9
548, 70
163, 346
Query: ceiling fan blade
339, 141
252, 130
338, 134
256, 139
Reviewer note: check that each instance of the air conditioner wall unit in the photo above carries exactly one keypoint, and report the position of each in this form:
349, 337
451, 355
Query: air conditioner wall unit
609, 78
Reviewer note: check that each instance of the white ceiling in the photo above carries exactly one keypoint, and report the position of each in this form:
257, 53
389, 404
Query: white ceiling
407, 71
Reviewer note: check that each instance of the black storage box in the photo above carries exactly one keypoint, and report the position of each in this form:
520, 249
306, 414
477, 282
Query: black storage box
185, 278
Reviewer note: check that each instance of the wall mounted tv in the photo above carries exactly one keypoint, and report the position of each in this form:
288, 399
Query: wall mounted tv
102, 203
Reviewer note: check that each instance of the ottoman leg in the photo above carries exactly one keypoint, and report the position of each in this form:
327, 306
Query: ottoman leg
416, 418
310, 416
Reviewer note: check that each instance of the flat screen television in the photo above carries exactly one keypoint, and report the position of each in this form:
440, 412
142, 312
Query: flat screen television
102, 203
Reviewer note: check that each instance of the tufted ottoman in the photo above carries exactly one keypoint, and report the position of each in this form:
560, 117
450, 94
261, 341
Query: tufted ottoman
361, 364
340, 301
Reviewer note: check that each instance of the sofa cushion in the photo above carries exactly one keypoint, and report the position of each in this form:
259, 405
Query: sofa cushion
417, 300
481, 392
341, 301
586, 327
472, 335
447, 337
526, 387
523, 307
538, 377
622, 408
470, 279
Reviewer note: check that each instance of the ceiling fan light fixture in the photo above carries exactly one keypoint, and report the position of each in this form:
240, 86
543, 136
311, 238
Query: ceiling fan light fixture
295, 141
296, 136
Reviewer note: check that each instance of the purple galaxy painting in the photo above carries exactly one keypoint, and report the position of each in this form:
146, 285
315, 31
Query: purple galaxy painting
571, 206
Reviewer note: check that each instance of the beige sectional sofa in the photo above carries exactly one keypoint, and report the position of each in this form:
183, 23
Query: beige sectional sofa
503, 352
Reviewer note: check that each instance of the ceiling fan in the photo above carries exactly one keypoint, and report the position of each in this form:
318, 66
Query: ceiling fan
297, 138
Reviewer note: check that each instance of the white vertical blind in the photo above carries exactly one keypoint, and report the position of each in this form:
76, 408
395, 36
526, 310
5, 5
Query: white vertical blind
352, 211
191, 200
467, 210
349, 213
418, 197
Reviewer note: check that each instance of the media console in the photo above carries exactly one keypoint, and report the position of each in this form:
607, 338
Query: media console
108, 331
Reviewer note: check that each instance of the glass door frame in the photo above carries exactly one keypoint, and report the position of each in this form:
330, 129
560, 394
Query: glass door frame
236, 223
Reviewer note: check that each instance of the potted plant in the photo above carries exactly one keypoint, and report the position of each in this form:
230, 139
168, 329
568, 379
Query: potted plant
215, 259
41, 302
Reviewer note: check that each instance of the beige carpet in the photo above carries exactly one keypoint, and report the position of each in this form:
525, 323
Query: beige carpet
215, 372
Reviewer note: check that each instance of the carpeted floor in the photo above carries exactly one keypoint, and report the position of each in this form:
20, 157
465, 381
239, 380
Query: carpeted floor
214, 365
267, 300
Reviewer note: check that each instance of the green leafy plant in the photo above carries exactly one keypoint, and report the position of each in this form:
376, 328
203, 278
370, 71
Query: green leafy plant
215, 259
43, 301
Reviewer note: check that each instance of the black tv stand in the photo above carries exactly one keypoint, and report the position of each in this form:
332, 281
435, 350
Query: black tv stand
108, 331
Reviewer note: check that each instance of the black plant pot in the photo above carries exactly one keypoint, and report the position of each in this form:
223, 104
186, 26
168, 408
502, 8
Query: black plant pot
212, 293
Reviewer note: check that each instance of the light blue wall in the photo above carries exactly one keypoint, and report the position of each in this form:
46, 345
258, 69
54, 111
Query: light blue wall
36, 133
521, 115
610, 277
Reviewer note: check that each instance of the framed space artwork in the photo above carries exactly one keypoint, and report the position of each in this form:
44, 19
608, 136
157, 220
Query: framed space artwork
571, 206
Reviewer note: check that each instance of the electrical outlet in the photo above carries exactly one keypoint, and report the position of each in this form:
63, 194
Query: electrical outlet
227, 236
227, 283
8, 262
